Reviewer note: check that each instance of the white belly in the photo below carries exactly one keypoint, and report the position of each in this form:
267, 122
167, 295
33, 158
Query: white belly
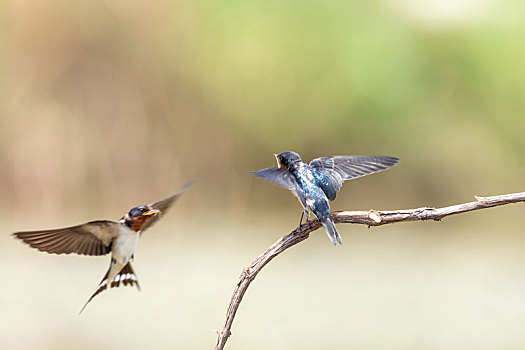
125, 246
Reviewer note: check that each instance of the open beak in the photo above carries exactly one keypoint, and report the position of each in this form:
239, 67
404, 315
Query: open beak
152, 212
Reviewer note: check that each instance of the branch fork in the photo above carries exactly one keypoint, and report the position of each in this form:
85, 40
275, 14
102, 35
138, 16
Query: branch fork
369, 218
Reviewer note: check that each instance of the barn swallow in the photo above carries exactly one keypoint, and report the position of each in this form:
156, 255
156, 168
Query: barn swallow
102, 237
315, 183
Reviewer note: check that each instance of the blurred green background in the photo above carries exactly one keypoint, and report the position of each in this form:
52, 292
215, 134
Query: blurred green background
109, 104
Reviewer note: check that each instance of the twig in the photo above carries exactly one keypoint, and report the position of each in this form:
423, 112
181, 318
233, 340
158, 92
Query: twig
370, 218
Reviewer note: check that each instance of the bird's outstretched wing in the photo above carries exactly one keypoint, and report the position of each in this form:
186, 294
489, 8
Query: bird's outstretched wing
91, 238
281, 177
163, 205
332, 171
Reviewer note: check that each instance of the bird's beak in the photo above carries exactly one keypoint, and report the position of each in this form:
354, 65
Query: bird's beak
152, 212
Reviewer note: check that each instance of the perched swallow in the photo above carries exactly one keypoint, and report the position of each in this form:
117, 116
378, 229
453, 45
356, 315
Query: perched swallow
316, 183
102, 237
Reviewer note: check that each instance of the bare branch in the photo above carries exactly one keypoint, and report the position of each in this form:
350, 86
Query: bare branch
370, 218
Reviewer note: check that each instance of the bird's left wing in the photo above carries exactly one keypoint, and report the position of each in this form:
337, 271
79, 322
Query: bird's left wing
332, 171
163, 205
281, 177
91, 238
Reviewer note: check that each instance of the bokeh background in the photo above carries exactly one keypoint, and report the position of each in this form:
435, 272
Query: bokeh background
109, 104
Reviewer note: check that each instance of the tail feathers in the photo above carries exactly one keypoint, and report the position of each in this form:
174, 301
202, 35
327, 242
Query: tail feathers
126, 276
331, 231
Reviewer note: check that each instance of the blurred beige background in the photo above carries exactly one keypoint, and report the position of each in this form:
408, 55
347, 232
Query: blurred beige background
109, 104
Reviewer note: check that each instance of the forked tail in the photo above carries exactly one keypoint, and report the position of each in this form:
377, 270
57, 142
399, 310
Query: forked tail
126, 276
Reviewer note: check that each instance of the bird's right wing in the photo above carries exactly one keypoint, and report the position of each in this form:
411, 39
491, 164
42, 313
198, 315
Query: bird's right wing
281, 177
163, 205
334, 170
91, 238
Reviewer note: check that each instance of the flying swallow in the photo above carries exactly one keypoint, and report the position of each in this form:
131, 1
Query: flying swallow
316, 183
102, 237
